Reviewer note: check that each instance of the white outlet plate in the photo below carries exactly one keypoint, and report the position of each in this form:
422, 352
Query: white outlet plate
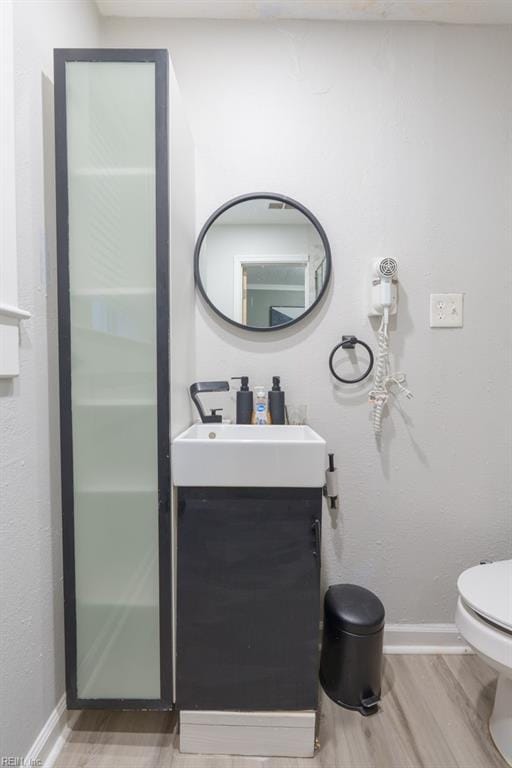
446, 310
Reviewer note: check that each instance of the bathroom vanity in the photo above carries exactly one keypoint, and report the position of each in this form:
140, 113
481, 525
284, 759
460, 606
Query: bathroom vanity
248, 587
248, 598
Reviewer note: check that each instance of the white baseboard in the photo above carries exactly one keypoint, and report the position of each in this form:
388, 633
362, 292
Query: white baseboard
423, 638
52, 736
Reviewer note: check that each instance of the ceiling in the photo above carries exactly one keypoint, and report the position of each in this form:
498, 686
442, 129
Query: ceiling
447, 11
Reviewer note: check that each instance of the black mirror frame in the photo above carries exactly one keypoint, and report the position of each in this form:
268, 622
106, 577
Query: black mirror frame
259, 196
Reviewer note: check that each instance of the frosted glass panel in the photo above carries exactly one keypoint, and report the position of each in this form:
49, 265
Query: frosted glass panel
111, 191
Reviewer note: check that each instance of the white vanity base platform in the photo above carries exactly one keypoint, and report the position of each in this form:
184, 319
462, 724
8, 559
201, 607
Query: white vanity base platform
262, 734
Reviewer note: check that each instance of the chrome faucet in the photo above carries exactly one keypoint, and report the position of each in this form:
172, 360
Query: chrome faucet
208, 386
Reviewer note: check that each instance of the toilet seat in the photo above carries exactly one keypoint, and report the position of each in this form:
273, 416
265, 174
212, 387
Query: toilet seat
487, 590
494, 644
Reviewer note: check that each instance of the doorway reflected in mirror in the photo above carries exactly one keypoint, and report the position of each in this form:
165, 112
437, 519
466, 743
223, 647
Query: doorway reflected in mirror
262, 262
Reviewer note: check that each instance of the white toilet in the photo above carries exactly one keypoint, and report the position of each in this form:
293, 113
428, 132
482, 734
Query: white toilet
484, 619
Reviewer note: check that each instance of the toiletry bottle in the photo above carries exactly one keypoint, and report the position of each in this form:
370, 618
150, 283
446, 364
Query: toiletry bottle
244, 401
276, 402
260, 413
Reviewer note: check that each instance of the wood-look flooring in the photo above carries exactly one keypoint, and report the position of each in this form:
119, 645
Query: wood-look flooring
434, 714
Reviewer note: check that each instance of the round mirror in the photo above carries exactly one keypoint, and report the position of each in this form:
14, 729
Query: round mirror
262, 261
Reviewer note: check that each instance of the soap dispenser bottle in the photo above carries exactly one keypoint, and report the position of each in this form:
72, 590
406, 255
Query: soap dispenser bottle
244, 401
261, 413
276, 401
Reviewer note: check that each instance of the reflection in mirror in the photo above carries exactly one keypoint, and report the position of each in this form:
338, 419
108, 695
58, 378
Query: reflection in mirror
262, 262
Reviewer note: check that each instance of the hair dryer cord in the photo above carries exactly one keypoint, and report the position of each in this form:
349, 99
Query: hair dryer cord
384, 380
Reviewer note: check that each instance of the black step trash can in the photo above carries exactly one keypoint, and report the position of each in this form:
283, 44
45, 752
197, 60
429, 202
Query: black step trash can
351, 662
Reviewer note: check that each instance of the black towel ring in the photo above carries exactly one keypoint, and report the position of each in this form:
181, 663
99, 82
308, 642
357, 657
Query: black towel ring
349, 342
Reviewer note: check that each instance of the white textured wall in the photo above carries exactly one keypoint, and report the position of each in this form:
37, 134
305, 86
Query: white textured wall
399, 138
182, 237
32, 627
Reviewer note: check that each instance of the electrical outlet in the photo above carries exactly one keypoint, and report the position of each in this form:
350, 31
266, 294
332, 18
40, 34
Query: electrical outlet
446, 310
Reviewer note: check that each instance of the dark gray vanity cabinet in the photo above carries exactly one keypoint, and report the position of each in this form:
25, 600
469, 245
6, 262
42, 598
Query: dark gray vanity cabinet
248, 598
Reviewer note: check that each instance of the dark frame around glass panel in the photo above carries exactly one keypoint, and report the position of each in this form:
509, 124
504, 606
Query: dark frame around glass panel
160, 59
326, 264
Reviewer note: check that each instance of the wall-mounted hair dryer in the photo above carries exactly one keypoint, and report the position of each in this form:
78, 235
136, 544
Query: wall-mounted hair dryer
384, 288
384, 302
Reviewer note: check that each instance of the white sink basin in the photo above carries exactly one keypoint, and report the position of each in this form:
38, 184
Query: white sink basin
249, 456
